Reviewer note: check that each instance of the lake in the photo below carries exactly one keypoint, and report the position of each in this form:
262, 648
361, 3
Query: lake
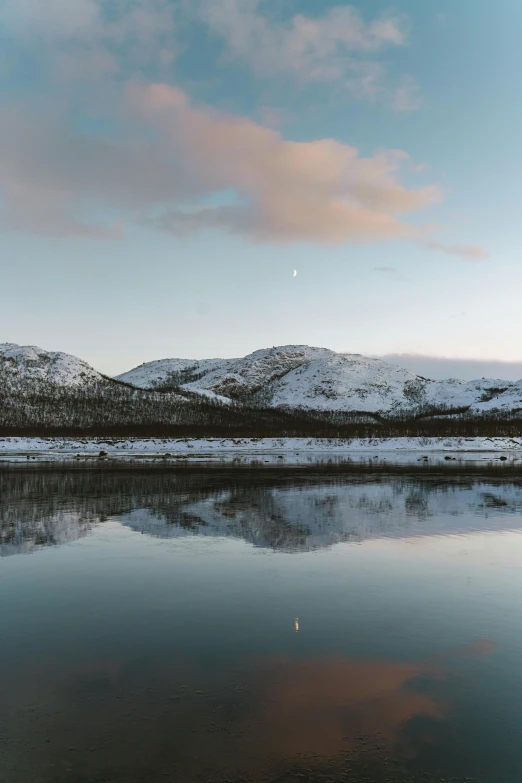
259, 625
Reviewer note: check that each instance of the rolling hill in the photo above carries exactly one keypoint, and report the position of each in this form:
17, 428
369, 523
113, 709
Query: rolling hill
300, 376
295, 390
30, 363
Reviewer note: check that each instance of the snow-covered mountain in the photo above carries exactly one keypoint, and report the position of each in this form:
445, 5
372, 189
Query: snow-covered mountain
42, 390
508, 398
320, 379
291, 376
29, 363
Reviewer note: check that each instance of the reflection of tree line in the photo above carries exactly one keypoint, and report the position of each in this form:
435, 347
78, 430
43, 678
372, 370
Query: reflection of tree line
281, 511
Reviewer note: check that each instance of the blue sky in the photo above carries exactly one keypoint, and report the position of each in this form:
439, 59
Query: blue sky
166, 165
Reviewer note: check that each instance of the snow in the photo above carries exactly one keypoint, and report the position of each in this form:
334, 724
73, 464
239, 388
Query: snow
150, 374
509, 400
298, 376
28, 362
321, 379
290, 450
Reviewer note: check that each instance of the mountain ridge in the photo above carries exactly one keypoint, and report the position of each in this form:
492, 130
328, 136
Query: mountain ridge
320, 379
292, 376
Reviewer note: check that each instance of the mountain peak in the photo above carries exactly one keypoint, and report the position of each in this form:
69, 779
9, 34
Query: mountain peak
290, 376
315, 378
33, 363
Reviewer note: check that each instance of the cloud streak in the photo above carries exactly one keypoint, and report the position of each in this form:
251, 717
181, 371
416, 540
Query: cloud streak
466, 252
442, 367
389, 272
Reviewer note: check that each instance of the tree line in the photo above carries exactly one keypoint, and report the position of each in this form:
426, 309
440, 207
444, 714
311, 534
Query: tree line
107, 408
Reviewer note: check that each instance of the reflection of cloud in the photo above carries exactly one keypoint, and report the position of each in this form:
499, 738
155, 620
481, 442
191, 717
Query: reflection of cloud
244, 717
478, 648
322, 706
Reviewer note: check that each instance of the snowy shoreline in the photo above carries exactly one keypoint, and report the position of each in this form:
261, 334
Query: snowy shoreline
252, 450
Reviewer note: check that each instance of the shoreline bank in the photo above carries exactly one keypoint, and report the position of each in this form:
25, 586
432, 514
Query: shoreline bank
289, 451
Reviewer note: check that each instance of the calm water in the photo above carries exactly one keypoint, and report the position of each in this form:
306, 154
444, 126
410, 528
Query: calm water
259, 626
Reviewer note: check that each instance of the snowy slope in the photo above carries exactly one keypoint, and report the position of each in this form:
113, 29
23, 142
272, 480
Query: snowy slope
295, 375
335, 381
509, 400
224, 375
320, 379
464, 393
168, 372
286, 376
29, 363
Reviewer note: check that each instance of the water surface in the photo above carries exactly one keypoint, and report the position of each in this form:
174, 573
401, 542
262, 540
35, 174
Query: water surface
259, 626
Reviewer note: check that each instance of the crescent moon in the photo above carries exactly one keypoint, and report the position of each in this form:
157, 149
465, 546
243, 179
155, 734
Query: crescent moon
295, 273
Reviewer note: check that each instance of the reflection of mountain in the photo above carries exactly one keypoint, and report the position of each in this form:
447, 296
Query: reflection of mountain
282, 512
300, 518
24, 536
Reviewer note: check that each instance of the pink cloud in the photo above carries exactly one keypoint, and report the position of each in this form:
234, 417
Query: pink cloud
166, 158
320, 191
172, 155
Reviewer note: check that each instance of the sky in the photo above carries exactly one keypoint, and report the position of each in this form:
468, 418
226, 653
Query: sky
165, 166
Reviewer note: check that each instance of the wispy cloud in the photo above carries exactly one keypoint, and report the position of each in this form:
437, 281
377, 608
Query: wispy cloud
406, 96
389, 272
86, 38
338, 46
90, 39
